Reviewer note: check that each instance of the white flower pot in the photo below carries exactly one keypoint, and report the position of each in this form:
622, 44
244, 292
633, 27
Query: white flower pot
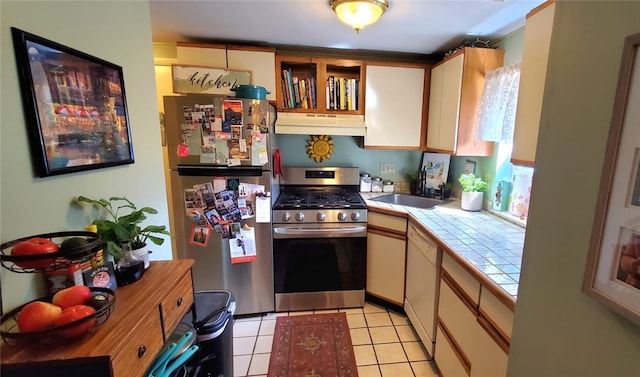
471, 201
143, 254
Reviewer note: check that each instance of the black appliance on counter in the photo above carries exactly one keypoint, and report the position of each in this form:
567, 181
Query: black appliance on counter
319, 239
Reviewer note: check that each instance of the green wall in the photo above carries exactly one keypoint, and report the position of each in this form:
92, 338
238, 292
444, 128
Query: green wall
558, 330
347, 153
119, 32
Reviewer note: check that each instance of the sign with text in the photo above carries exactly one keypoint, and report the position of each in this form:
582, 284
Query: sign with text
207, 80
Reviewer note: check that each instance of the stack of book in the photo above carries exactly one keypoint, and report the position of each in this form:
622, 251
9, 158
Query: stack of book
298, 93
342, 93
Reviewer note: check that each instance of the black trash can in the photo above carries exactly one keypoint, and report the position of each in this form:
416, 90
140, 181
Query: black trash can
213, 321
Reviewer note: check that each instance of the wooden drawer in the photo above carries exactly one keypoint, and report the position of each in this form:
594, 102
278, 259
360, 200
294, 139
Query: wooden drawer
394, 223
458, 317
462, 277
497, 313
131, 360
450, 360
176, 303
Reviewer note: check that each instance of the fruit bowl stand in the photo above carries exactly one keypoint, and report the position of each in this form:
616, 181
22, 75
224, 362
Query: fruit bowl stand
103, 298
50, 262
60, 260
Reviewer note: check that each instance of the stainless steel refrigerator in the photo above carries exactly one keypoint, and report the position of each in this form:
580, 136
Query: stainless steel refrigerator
219, 140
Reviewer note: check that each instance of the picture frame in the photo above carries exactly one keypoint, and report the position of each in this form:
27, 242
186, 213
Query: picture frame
612, 274
436, 167
75, 107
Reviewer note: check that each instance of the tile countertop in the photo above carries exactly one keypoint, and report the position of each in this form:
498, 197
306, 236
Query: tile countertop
489, 245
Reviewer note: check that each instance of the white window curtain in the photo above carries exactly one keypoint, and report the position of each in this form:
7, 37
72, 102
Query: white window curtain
497, 108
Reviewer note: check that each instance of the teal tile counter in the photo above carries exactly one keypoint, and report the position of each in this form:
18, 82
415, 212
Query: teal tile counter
489, 245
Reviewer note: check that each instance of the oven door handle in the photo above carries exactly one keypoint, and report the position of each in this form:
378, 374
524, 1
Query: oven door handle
283, 232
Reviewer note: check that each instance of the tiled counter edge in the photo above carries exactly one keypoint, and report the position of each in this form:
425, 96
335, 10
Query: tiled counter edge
486, 245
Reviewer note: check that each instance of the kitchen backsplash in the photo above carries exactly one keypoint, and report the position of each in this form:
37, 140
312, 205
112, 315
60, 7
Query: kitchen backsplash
293, 149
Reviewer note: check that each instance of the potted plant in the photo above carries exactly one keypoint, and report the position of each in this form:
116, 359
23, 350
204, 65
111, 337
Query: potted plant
119, 229
414, 181
473, 189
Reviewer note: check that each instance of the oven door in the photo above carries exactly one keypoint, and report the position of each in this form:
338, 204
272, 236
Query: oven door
319, 266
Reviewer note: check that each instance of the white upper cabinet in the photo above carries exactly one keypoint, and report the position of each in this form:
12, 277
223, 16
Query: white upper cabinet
259, 61
444, 105
533, 73
394, 106
456, 87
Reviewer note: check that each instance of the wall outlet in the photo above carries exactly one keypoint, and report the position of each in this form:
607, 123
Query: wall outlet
387, 168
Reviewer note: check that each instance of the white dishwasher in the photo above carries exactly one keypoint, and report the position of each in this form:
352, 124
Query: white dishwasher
423, 283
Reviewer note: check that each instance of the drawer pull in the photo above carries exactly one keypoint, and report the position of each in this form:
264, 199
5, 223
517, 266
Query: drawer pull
142, 350
179, 301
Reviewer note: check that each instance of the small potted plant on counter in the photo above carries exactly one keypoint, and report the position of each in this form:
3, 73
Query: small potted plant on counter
473, 189
119, 229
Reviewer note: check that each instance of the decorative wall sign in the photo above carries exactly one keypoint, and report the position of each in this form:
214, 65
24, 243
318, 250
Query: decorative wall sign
75, 107
320, 147
613, 265
207, 80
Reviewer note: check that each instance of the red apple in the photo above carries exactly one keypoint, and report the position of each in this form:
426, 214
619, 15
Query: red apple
37, 316
76, 295
35, 246
72, 314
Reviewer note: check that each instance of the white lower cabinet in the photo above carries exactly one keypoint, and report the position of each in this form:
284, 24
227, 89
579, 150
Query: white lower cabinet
450, 361
385, 266
479, 348
386, 256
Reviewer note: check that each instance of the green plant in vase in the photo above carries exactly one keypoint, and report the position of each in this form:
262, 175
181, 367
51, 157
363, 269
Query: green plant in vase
471, 183
473, 189
118, 229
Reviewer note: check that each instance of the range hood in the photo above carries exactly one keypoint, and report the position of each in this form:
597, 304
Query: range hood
320, 124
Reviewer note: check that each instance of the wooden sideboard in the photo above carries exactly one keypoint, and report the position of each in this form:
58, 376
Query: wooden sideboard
145, 314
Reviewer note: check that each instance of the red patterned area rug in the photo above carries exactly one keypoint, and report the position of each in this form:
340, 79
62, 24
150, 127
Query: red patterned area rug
315, 345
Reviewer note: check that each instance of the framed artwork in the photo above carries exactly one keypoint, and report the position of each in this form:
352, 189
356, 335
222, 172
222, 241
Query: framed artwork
612, 275
436, 167
75, 107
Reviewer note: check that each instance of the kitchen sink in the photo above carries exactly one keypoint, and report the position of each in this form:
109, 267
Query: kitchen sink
410, 200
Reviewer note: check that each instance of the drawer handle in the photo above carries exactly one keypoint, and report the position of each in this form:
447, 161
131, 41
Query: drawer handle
142, 350
179, 301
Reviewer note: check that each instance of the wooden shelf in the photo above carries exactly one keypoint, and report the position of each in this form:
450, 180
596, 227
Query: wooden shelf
318, 70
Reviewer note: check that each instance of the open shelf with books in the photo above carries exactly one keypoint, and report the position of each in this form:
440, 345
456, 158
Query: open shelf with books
319, 85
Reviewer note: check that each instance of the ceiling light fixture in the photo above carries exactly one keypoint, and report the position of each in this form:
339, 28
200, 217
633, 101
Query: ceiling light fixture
359, 13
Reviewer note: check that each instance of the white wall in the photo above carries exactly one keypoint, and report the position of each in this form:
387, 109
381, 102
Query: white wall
558, 330
119, 32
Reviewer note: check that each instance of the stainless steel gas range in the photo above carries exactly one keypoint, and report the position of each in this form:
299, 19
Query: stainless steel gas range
319, 239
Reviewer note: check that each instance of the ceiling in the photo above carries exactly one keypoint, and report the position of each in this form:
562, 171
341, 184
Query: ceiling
412, 26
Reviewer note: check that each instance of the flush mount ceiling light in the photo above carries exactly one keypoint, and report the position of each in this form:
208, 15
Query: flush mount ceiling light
359, 13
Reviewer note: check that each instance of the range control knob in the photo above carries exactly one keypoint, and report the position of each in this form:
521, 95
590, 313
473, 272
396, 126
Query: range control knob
355, 216
321, 216
300, 216
342, 216
286, 216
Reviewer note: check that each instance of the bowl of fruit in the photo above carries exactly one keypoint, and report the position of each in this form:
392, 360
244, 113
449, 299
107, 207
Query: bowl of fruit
50, 251
70, 313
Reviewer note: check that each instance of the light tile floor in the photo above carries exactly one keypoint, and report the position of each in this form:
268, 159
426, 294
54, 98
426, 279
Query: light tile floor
384, 343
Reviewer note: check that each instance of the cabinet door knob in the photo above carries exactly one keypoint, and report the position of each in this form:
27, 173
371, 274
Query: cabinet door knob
142, 350
179, 301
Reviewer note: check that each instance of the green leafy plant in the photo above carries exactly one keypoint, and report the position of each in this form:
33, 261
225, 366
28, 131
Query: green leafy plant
412, 177
119, 229
471, 183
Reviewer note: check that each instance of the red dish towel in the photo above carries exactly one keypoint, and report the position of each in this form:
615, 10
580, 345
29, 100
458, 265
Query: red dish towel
277, 163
